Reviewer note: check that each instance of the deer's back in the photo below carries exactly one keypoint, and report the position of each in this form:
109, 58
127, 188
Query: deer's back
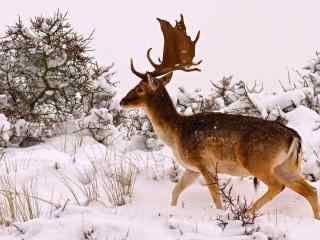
218, 136
203, 125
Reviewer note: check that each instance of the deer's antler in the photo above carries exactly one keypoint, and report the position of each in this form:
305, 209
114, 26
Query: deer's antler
178, 50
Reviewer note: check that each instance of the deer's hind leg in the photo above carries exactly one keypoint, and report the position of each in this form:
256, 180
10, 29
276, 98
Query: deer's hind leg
295, 181
257, 164
186, 180
274, 188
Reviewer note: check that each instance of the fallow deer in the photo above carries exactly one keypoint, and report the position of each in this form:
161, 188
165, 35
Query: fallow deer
210, 143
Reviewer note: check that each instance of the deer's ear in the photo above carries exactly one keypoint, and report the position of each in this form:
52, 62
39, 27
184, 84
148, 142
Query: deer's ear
166, 79
152, 82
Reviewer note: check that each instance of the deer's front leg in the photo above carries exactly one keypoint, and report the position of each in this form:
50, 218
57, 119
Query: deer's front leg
213, 185
186, 180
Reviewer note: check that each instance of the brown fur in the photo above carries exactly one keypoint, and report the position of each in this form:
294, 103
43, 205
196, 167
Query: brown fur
232, 144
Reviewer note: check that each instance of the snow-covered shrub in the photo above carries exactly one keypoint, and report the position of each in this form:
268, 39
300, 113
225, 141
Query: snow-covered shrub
191, 102
100, 125
47, 74
224, 91
28, 133
131, 122
5, 127
224, 96
235, 97
136, 122
312, 79
304, 89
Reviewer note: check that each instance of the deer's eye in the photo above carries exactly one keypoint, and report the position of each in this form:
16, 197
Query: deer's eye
139, 90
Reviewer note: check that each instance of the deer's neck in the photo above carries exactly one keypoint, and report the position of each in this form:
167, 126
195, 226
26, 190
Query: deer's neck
163, 115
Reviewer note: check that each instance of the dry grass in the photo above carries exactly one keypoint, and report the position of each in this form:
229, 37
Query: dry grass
83, 191
107, 184
118, 183
20, 203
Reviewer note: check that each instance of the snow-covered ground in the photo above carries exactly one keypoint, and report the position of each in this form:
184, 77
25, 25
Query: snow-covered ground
148, 215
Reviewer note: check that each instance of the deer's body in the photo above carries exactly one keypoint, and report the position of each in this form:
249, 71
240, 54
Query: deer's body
222, 142
229, 142
210, 143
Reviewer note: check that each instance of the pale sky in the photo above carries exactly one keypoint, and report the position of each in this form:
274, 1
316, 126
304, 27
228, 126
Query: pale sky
251, 39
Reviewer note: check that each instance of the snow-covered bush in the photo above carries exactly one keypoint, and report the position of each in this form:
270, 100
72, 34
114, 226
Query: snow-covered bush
136, 122
236, 97
100, 125
224, 96
312, 80
48, 76
191, 102
5, 127
224, 91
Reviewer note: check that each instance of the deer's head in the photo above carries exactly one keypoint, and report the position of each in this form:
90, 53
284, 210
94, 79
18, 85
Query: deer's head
145, 90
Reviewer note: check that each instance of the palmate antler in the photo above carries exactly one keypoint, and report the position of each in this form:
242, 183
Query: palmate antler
178, 50
178, 46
